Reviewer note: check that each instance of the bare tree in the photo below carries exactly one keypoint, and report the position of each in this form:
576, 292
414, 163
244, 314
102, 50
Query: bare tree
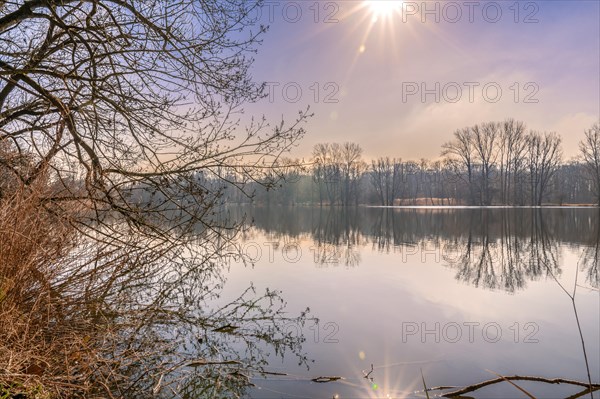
386, 176
352, 167
462, 149
414, 183
590, 151
320, 159
512, 161
128, 92
334, 174
437, 178
131, 111
485, 140
380, 178
544, 157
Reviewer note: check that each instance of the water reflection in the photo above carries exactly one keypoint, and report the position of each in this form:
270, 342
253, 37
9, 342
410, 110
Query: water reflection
156, 319
591, 258
500, 249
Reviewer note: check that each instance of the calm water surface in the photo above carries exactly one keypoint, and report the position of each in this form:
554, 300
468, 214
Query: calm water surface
451, 293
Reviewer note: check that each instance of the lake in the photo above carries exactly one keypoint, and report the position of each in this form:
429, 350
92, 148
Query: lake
445, 294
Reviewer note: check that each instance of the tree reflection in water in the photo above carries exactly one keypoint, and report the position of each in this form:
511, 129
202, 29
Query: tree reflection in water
591, 256
163, 328
500, 249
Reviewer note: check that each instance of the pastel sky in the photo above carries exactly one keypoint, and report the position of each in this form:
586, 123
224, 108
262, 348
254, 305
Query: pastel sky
364, 75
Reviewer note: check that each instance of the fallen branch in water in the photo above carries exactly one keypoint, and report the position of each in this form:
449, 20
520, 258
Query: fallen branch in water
326, 379
202, 362
272, 373
476, 387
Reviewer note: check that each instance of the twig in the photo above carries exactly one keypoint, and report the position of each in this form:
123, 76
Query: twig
368, 375
475, 387
572, 297
513, 384
424, 385
583, 393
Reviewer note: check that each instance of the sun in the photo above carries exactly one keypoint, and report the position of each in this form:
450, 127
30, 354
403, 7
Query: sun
384, 8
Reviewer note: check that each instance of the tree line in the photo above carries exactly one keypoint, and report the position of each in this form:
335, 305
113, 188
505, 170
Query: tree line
491, 163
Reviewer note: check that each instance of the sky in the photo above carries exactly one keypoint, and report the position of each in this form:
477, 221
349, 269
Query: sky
399, 77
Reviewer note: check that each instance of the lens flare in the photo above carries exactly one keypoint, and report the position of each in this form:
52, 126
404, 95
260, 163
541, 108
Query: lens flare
384, 8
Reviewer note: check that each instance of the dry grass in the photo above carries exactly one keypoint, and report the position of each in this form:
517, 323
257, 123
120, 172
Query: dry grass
42, 343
